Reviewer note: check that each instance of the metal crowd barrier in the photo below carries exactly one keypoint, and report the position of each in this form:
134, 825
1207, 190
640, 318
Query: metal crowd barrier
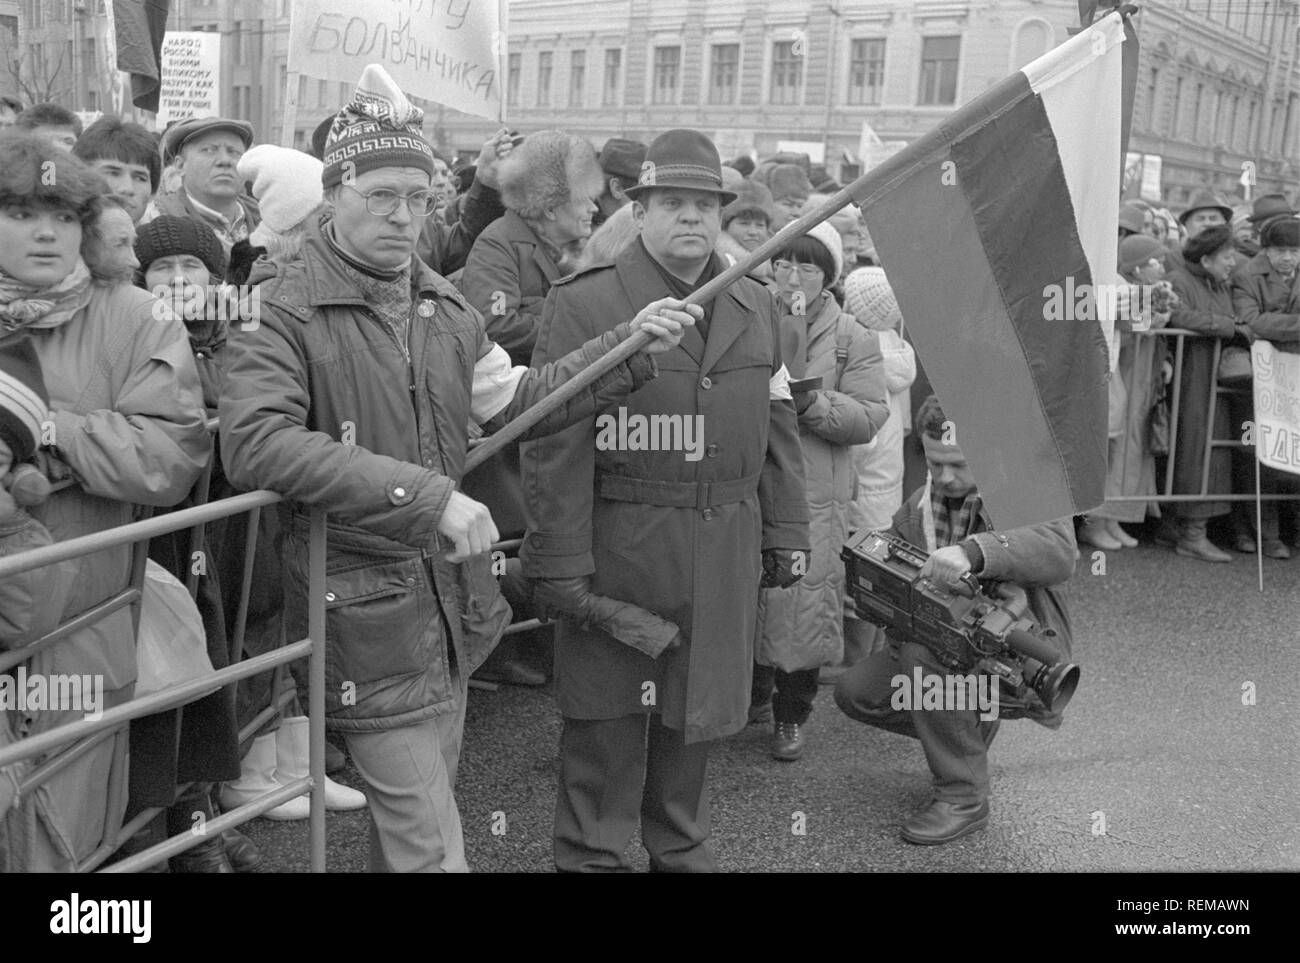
80, 737
1219, 395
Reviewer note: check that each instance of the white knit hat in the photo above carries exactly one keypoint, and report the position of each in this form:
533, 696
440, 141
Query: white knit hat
830, 239
286, 185
871, 300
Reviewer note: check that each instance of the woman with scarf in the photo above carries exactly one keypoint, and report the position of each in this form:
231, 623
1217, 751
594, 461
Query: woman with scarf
126, 428
802, 626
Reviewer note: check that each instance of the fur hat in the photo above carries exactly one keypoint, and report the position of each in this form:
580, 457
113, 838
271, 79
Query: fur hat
378, 128
546, 170
168, 235
829, 238
621, 157
24, 402
751, 198
870, 299
787, 180
286, 186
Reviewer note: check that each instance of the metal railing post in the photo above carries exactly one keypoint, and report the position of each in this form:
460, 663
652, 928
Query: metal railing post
316, 685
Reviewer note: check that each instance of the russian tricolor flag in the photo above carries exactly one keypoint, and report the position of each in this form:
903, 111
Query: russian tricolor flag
1012, 198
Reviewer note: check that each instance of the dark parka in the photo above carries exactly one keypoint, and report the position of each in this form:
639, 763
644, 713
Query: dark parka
681, 538
322, 405
1038, 558
506, 278
1267, 302
1205, 306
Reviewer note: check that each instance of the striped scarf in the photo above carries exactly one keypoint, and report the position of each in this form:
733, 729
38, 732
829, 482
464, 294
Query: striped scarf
24, 308
944, 525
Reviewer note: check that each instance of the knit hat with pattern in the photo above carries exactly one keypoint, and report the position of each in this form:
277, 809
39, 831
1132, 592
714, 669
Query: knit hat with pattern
871, 300
378, 128
24, 403
168, 235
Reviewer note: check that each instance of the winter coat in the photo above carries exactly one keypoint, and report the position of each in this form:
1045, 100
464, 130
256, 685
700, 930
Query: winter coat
128, 423
802, 627
879, 463
682, 538
506, 279
1267, 302
444, 247
322, 404
1205, 307
1038, 558
180, 205
507, 275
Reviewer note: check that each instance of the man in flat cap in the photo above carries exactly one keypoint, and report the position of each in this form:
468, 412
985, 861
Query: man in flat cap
688, 529
620, 160
205, 150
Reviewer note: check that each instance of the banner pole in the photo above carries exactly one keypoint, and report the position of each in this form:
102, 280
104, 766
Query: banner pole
290, 118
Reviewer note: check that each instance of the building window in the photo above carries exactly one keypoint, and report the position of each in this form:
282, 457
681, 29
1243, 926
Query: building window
787, 74
1217, 131
323, 93
238, 35
1196, 111
668, 61
577, 77
544, 78
1153, 91
1175, 116
1250, 126
939, 71
866, 71
1288, 124
512, 78
1234, 120
613, 78
1033, 39
724, 67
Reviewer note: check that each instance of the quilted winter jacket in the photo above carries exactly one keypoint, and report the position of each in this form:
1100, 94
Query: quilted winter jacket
322, 404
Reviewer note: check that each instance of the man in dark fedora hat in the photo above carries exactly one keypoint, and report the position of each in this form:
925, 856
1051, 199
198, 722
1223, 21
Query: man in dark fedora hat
1206, 209
688, 529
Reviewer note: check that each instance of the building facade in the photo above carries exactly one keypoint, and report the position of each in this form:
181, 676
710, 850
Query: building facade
1217, 89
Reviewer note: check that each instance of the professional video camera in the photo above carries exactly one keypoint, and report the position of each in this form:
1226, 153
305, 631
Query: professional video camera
963, 631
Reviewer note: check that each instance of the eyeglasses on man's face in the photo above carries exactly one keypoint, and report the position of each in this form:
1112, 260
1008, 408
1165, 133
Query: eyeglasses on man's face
383, 202
809, 272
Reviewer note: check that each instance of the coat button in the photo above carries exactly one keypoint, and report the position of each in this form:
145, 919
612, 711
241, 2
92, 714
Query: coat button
711, 451
410, 580
330, 596
706, 382
707, 514
399, 492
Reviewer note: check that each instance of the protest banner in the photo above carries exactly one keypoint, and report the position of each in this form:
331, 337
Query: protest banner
448, 51
1277, 406
191, 76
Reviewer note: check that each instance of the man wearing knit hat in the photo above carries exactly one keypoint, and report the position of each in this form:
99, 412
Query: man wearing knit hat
354, 395
205, 150
690, 538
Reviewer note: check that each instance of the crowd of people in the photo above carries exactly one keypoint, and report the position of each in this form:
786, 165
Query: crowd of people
390, 311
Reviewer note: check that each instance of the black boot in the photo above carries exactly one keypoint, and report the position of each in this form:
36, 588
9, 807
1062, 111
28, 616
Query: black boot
243, 855
209, 856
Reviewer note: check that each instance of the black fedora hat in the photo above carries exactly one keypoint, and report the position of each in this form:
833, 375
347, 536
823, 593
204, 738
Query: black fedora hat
1268, 206
684, 159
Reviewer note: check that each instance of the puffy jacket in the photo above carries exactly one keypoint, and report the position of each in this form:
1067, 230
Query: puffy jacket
802, 626
129, 430
322, 404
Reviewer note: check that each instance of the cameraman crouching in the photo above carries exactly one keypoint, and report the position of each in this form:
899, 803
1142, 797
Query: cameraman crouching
946, 517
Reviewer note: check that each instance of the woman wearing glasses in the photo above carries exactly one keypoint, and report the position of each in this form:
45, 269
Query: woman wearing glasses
802, 626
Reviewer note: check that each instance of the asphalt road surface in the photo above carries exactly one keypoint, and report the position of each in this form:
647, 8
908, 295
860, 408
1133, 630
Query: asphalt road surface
1160, 749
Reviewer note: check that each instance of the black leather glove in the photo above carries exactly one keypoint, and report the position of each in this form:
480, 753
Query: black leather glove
628, 623
782, 567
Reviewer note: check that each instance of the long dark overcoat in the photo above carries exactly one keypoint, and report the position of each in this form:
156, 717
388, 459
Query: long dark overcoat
680, 537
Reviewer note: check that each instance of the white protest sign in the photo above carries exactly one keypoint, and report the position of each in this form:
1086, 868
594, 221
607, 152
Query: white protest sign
449, 51
1277, 406
191, 76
